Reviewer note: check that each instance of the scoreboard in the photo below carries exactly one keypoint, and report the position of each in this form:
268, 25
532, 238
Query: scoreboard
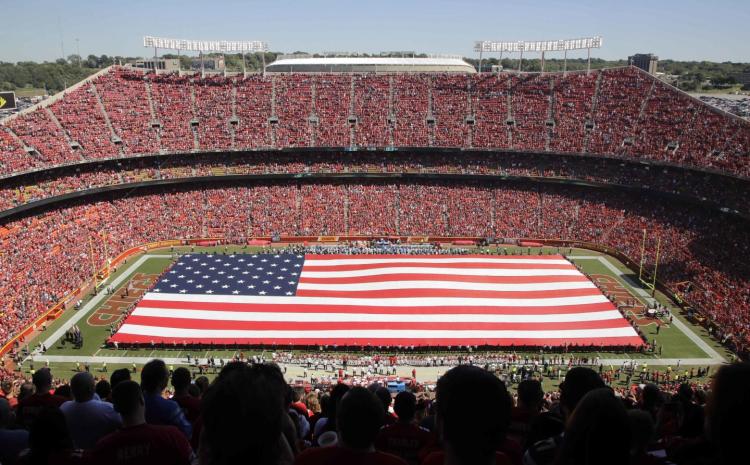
7, 100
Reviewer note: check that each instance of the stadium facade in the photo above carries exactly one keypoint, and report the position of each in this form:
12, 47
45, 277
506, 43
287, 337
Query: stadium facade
576, 157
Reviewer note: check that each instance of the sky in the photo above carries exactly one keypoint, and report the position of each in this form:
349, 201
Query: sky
714, 30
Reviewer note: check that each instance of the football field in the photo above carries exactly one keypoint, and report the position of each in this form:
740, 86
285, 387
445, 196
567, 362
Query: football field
679, 343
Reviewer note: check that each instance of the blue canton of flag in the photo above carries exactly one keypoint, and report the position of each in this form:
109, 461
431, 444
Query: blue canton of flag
241, 274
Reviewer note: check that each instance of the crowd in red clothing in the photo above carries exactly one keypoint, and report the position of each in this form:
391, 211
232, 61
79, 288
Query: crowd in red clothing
617, 111
702, 254
249, 413
724, 192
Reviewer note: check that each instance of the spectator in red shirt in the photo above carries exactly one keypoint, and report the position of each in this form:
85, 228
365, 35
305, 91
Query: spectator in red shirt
404, 438
244, 417
191, 406
473, 413
29, 407
359, 418
138, 442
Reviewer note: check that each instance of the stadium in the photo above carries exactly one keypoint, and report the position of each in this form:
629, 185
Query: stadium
416, 213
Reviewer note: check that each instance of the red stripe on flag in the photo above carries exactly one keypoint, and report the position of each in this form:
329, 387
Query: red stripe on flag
468, 293
448, 277
375, 342
271, 308
493, 266
189, 323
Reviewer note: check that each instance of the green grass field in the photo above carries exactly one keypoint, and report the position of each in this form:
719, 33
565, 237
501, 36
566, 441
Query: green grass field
675, 339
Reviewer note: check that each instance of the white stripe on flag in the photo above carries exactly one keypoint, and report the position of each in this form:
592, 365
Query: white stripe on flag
333, 318
374, 261
447, 271
390, 285
383, 302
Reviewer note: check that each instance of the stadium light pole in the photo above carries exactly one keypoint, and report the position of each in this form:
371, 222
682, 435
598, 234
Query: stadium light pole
210, 46
542, 47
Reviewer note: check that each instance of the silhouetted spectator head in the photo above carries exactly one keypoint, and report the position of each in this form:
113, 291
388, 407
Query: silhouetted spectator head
127, 399
5, 413
359, 418
325, 405
727, 409
651, 398
685, 392
154, 377
202, 383
6, 386
578, 382
42, 379
243, 415
103, 389
194, 391
181, 379
26, 390
473, 413
384, 395
530, 394
405, 406
337, 393
641, 431
83, 387
48, 434
63, 391
118, 376
598, 431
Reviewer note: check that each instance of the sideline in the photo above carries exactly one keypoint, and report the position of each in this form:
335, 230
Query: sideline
94, 302
715, 357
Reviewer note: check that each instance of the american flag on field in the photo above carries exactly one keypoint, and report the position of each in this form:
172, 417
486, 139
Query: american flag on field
377, 300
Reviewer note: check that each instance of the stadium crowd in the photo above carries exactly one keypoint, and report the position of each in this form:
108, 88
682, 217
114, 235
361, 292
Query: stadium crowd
616, 111
722, 191
250, 414
701, 252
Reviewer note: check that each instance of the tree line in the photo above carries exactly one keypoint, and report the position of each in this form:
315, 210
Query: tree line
62, 73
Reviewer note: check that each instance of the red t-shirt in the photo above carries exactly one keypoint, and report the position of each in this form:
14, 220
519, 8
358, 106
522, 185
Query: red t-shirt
437, 458
30, 407
143, 445
63, 457
404, 440
343, 456
191, 406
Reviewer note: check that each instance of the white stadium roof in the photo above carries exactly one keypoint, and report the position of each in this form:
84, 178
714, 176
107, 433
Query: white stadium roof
364, 64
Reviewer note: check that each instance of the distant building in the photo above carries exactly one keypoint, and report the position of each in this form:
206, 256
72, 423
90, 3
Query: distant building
370, 65
162, 64
646, 61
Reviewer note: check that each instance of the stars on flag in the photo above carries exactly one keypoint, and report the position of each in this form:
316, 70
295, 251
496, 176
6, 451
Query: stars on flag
238, 275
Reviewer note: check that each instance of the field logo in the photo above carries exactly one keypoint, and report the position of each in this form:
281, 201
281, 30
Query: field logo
613, 289
114, 308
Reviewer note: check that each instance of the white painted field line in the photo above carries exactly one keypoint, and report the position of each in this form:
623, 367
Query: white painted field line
715, 357
93, 303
